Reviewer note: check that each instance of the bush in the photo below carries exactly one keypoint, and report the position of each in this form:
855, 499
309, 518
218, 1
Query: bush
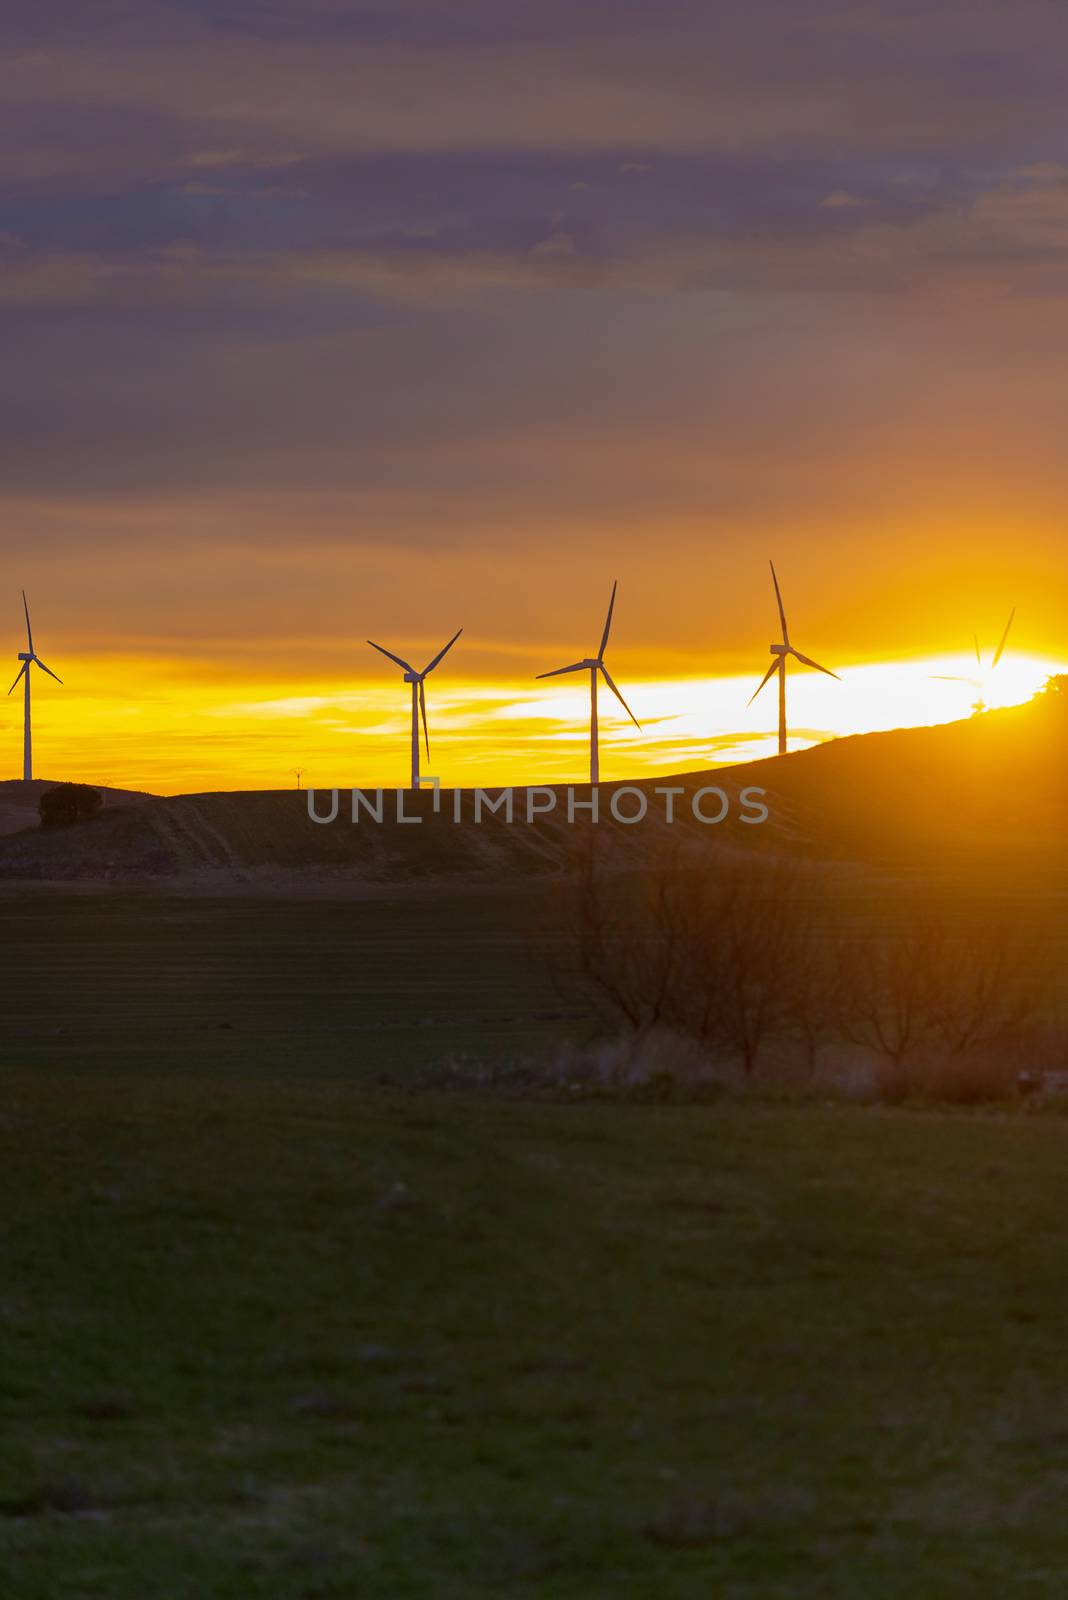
69, 803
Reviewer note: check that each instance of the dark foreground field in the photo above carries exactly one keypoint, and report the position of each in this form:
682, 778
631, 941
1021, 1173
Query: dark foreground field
329, 1340
404, 983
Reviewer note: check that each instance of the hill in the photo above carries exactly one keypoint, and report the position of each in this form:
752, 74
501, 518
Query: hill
990, 790
989, 795
19, 801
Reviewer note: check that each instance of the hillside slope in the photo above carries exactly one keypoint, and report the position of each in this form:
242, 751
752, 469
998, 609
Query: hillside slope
989, 795
993, 789
19, 801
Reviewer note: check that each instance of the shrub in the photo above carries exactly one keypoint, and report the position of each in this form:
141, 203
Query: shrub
69, 803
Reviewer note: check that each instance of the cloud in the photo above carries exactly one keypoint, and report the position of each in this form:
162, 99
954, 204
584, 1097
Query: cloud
272, 80
418, 301
1025, 218
758, 230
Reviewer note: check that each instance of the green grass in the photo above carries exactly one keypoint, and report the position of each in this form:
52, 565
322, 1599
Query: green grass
270, 1330
274, 987
319, 1339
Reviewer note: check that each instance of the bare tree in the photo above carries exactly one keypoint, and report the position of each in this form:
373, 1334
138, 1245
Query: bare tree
992, 983
934, 978
707, 952
628, 955
741, 945
743, 950
888, 988
815, 994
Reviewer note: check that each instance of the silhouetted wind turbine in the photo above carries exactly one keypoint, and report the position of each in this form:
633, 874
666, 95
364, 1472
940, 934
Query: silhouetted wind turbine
418, 695
29, 658
980, 683
594, 665
780, 652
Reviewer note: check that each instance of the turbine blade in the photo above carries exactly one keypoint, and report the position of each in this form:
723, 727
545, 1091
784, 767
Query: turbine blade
775, 665
619, 697
978, 652
29, 630
778, 597
43, 668
422, 708
608, 620
24, 668
1004, 639
442, 653
807, 661
398, 659
947, 677
579, 666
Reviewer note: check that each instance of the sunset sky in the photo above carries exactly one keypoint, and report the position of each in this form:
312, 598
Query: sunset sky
324, 321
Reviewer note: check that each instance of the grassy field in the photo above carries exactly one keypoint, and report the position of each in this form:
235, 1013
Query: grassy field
275, 987
407, 984
271, 1326
318, 1339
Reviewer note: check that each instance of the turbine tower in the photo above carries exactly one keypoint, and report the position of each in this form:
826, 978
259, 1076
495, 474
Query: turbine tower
29, 658
781, 652
418, 695
981, 683
594, 665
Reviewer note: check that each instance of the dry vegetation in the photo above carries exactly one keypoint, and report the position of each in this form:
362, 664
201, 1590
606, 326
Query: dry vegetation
778, 967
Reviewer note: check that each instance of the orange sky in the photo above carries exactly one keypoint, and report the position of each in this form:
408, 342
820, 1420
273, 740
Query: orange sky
325, 321
155, 725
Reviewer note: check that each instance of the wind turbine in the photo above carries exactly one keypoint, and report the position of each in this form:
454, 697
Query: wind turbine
418, 695
594, 665
781, 652
29, 658
980, 683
